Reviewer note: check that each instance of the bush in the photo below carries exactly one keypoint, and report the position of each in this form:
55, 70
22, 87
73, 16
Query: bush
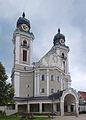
82, 112
26, 116
2, 113
49, 116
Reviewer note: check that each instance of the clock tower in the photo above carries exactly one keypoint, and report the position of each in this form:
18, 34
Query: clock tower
63, 50
22, 41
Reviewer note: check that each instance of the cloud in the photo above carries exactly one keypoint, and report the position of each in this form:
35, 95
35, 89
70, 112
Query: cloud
80, 79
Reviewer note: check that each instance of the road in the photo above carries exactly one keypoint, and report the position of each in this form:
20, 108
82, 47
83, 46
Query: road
80, 117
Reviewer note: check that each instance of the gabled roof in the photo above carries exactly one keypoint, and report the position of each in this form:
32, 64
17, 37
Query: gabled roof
83, 94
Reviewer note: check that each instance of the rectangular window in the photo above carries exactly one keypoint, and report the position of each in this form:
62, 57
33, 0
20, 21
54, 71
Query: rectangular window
58, 78
52, 78
24, 55
43, 77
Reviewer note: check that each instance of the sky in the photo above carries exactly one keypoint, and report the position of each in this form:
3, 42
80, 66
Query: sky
46, 16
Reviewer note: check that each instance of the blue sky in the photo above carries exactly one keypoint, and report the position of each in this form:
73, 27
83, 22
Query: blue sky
46, 16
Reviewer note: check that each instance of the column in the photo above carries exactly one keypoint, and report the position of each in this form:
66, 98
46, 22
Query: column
37, 85
62, 108
77, 112
40, 107
54, 107
69, 108
16, 107
74, 108
47, 82
28, 108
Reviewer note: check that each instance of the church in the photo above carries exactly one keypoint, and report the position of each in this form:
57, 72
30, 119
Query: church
41, 87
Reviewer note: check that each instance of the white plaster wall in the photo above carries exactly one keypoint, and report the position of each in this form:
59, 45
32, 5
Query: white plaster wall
17, 49
16, 83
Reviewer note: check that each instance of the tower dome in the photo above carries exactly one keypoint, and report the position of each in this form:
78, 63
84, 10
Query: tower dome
58, 37
22, 20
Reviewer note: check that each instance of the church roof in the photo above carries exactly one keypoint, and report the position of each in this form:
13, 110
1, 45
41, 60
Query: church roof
31, 98
56, 95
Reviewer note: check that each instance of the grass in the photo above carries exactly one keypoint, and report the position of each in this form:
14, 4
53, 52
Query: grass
18, 118
9, 118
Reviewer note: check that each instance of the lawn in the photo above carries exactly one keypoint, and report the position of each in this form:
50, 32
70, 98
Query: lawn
18, 118
9, 118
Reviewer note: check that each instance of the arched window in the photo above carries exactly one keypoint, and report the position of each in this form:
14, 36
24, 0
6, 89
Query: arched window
25, 55
43, 77
52, 90
24, 43
42, 90
62, 55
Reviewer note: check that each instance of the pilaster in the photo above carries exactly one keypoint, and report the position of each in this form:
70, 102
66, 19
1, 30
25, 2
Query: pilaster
37, 82
47, 82
61, 82
17, 50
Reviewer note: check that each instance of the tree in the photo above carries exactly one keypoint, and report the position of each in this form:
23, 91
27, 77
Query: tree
6, 89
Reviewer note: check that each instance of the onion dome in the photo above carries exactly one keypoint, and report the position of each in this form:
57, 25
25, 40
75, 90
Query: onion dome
58, 37
23, 20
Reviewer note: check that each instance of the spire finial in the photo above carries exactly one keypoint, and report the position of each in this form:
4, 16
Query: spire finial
58, 30
23, 15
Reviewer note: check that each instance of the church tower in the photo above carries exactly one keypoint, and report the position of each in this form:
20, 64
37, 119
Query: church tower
59, 44
22, 40
62, 52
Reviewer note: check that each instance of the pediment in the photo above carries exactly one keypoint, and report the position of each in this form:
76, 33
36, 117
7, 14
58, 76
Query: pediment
49, 60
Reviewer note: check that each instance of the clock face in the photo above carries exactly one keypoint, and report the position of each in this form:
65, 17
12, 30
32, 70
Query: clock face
25, 27
62, 41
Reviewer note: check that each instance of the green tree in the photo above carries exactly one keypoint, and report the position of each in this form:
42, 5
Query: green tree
6, 89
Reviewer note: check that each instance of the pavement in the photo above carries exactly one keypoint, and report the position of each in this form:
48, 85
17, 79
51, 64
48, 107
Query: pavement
80, 117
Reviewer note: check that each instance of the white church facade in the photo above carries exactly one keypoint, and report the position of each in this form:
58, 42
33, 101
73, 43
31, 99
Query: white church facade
44, 86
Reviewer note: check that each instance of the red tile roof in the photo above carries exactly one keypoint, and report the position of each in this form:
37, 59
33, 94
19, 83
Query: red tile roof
83, 94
